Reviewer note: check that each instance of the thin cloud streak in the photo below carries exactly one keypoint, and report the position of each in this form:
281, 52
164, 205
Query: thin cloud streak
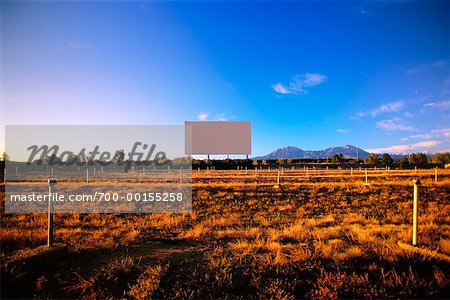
394, 124
439, 105
390, 107
341, 130
434, 65
422, 136
202, 116
78, 45
298, 84
221, 117
405, 148
436, 133
279, 88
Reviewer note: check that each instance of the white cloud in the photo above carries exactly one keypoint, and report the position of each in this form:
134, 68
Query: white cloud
439, 105
445, 132
383, 108
147, 8
340, 130
279, 88
299, 82
310, 79
394, 124
388, 107
436, 133
439, 64
360, 114
407, 114
202, 116
424, 67
78, 45
422, 136
405, 148
221, 117
425, 144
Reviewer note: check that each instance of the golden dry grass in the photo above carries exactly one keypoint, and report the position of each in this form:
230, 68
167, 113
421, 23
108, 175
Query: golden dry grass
315, 237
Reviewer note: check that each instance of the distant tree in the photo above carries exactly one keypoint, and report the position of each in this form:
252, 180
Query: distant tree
337, 158
80, 159
119, 157
71, 159
185, 160
289, 161
404, 163
372, 159
255, 162
264, 162
5, 156
352, 161
53, 159
280, 161
386, 159
160, 160
90, 160
442, 158
419, 159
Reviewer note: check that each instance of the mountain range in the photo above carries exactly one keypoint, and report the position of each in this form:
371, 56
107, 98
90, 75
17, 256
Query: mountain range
349, 151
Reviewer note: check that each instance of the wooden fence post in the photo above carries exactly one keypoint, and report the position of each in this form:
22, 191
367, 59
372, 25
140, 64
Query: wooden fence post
415, 211
51, 183
436, 175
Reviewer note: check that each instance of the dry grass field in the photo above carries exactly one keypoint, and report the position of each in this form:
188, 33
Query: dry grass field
319, 235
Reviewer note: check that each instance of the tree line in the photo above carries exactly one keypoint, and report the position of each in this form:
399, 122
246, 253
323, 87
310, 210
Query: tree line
415, 159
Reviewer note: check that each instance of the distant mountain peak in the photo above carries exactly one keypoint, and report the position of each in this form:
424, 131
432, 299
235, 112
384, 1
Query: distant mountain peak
349, 151
289, 148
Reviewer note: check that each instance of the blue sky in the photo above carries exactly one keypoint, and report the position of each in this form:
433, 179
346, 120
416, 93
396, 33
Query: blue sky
309, 74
